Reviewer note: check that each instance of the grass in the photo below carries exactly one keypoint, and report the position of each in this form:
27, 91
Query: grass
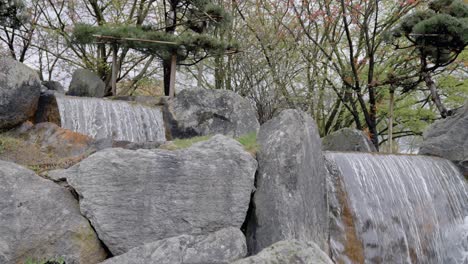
249, 141
58, 260
8, 143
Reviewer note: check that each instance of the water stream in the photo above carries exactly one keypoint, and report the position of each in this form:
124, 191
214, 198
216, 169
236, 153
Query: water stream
397, 209
120, 120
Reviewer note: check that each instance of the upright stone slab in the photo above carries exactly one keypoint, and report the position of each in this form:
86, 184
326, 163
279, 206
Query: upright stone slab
86, 83
221, 247
448, 138
290, 200
137, 197
20, 88
290, 252
348, 139
41, 220
201, 112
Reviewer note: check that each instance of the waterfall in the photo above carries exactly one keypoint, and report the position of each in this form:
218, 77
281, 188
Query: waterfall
397, 209
120, 120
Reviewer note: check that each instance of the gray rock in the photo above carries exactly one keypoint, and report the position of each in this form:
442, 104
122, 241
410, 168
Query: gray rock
448, 138
223, 246
86, 83
348, 139
197, 112
20, 88
137, 197
290, 252
290, 201
54, 86
40, 220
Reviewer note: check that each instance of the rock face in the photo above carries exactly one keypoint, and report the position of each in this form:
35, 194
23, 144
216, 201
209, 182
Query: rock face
290, 252
19, 92
197, 112
54, 86
290, 200
40, 220
60, 141
137, 197
348, 139
448, 138
223, 246
86, 83
47, 109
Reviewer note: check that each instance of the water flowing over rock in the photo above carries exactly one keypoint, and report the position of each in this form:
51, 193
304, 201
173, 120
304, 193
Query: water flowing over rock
290, 200
20, 88
201, 112
290, 252
393, 208
448, 138
137, 197
86, 83
221, 247
348, 139
118, 120
40, 220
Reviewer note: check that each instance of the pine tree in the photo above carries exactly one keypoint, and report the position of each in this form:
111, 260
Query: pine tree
185, 38
439, 34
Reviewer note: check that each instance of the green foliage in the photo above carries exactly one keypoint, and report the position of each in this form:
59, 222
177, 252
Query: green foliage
12, 13
440, 32
58, 260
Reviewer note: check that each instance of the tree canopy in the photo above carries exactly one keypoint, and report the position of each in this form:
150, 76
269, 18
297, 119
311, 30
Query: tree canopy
12, 13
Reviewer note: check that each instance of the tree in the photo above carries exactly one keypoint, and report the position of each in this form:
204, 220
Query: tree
12, 13
184, 39
438, 35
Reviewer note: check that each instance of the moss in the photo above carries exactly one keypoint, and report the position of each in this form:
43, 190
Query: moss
56, 260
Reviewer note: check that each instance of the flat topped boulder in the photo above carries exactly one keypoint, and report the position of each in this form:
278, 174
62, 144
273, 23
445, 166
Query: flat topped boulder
41, 220
348, 139
137, 197
290, 252
290, 198
20, 88
221, 247
86, 83
448, 138
200, 112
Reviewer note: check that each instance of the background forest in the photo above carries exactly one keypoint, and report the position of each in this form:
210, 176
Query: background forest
389, 68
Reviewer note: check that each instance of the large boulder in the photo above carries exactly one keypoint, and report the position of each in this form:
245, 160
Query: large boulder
290, 252
54, 86
223, 246
448, 138
348, 139
20, 88
40, 220
137, 197
200, 112
86, 83
290, 200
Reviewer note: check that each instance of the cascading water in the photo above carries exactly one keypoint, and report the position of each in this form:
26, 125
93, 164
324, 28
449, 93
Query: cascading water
397, 209
120, 120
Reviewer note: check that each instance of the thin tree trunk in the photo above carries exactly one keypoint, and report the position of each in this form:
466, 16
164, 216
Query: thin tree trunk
114, 69
173, 76
435, 95
390, 120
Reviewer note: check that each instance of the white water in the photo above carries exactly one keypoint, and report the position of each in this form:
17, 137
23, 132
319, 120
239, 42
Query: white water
120, 120
406, 209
